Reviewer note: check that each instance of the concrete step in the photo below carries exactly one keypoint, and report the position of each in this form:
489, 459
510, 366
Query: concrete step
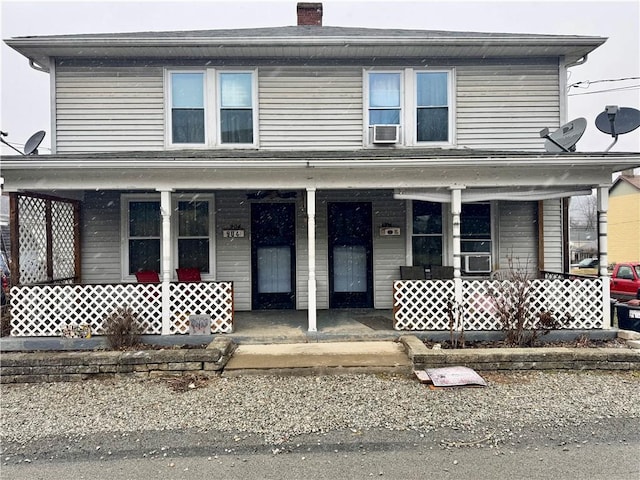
315, 358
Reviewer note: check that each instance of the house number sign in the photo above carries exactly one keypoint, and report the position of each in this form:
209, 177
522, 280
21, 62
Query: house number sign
233, 233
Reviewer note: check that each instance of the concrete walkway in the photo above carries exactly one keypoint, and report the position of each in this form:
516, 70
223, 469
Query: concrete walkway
330, 357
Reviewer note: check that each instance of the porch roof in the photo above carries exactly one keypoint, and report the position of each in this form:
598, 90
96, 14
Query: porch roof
373, 168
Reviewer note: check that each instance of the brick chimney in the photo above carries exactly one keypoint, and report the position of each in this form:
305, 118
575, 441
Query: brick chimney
310, 14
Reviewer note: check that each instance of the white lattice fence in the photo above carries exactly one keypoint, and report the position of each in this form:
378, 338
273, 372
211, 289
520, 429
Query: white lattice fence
577, 303
45, 310
32, 239
63, 241
422, 304
201, 298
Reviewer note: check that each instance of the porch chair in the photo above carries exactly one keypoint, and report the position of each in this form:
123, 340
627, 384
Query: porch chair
412, 273
147, 276
439, 272
188, 275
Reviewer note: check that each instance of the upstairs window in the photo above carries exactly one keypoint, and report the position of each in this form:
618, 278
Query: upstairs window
432, 106
236, 108
211, 107
187, 108
384, 98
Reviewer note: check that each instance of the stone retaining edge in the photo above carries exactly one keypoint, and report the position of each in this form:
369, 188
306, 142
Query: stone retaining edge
37, 367
548, 358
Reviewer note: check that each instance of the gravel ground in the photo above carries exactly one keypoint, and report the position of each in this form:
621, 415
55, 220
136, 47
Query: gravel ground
277, 409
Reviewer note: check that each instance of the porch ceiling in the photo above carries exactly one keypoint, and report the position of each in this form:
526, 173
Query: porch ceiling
242, 169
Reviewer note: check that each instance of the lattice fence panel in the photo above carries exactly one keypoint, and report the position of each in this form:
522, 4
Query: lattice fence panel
63, 239
422, 304
577, 303
32, 239
478, 306
45, 310
201, 298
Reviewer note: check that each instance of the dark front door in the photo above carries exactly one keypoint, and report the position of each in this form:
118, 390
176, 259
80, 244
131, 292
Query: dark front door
273, 255
350, 255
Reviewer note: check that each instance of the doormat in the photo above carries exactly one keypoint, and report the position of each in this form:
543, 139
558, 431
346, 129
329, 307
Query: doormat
451, 377
376, 322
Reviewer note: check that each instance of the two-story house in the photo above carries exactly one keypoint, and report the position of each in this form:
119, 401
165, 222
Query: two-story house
299, 166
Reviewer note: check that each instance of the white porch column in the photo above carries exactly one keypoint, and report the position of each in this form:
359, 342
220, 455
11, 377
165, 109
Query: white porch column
167, 260
311, 248
603, 207
456, 209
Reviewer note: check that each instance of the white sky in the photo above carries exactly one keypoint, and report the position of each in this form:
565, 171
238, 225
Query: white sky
24, 102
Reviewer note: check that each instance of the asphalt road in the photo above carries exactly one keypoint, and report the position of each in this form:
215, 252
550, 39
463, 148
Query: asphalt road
606, 449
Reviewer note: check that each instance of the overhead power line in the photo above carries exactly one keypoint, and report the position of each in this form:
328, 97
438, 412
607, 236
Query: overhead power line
630, 87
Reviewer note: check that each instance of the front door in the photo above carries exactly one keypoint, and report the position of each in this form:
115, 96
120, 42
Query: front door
350, 255
273, 255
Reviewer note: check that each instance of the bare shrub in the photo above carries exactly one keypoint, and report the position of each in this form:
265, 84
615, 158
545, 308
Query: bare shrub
512, 300
122, 329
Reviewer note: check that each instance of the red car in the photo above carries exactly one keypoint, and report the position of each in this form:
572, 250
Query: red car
625, 281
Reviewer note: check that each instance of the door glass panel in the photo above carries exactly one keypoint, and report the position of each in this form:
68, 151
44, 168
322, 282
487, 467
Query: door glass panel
274, 269
350, 268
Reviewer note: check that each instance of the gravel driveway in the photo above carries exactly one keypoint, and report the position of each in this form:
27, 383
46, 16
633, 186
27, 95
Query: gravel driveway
276, 409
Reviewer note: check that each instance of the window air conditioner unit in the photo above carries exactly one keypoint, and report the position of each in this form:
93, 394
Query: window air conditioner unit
477, 263
386, 133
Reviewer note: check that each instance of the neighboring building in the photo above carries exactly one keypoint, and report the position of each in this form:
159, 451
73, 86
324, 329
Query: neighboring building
624, 219
304, 165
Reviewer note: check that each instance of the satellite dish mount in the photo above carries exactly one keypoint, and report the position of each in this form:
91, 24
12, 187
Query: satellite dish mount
31, 147
565, 138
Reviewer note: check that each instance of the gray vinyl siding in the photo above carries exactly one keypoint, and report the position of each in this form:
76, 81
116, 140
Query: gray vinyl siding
109, 109
505, 106
100, 237
552, 227
310, 107
233, 255
518, 236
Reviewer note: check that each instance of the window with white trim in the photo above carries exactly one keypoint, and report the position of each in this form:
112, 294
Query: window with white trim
432, 107
420, 101
426, 238
211, 107
187, 102
384, 98
192, 233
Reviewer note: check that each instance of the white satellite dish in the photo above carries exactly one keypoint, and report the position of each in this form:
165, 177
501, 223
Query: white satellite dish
565, 138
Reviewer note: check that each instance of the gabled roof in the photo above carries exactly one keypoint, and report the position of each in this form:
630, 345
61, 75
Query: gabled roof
633, 180
303, 42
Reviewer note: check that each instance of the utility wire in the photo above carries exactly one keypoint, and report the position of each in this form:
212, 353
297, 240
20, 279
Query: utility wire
630, 87
589, 82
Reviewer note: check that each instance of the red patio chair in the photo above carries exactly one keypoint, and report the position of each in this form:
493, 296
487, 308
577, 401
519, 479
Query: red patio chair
147, 276
188, 275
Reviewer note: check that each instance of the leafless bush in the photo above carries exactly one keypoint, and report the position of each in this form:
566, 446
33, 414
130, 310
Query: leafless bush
122, 329
512, 300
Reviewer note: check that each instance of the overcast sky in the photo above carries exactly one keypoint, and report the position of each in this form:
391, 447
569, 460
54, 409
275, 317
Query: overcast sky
25, 97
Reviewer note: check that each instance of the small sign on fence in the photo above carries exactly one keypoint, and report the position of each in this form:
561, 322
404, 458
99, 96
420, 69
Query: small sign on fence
199, 324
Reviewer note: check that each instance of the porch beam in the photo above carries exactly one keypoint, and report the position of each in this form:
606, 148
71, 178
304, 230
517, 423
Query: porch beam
603, 207
311, 247
167, 260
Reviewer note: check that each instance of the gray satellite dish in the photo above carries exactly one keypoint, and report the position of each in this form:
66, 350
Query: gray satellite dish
565, 138
31, 147
617, 121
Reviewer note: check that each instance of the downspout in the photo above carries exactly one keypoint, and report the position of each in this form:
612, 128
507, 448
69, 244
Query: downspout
578, 62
